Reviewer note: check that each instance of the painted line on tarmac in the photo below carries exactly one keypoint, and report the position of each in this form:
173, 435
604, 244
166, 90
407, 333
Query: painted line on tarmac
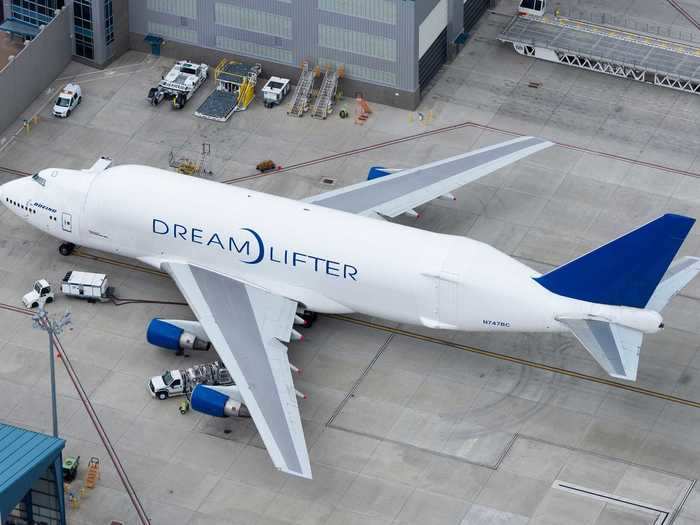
516, 360
453, 127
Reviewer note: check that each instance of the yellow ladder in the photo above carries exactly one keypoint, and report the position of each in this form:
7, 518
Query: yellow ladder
246, 93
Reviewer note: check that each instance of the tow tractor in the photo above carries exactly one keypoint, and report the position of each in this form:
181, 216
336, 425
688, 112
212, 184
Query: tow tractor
179, 84
40, 294
181, 382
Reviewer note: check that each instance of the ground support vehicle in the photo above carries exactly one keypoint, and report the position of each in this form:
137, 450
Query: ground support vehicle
40, 294
68, 99
274, 91
180, 84
182, 382
85, 285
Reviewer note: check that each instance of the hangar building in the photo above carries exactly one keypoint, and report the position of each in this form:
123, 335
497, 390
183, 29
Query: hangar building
390, 49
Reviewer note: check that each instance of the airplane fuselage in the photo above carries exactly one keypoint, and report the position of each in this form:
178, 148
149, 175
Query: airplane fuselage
327, 260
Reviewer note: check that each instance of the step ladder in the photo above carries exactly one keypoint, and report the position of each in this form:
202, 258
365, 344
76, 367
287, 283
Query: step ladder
327, 93
202, 166
93, 472
300, 100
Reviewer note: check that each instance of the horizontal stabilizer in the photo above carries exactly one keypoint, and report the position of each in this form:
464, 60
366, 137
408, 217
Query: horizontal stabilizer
679, 274
614, 347
626, 271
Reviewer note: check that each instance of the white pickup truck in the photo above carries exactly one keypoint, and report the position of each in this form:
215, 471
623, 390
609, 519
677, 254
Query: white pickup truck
68, 99
180, 382
179, 84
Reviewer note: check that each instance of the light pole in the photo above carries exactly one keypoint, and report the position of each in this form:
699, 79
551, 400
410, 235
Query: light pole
42, 321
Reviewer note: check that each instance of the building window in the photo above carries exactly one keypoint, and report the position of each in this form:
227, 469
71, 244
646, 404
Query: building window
186, 8
181, 34
253, 20
357, 42
252, 49
109, 22
82, 18
378, 10
361, 72
35, 12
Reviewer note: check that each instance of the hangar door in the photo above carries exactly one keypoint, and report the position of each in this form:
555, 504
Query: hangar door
473, 9
432, 60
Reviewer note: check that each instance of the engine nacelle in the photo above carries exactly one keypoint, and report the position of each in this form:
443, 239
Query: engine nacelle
215, 403
167, 335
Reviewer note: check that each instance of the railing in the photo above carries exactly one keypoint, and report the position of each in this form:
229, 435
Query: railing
623, 21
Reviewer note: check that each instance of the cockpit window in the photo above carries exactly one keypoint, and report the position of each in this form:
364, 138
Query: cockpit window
38, 178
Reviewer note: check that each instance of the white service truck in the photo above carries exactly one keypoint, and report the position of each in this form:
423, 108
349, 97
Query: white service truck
179, 84
274, 91
68, 99
85, 285
181, 382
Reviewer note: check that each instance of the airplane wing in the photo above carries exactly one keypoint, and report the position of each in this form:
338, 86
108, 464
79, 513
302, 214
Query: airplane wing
400, 192
248, 327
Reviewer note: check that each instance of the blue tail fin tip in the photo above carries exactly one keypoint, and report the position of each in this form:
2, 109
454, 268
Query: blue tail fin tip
625, 271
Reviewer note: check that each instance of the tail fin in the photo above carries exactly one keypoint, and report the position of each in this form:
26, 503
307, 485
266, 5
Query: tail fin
626, 271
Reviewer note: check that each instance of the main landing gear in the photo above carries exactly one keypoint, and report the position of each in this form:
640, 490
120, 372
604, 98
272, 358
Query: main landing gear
66, 248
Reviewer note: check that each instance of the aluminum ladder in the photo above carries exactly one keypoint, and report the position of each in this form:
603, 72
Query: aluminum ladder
324, 100
300, 100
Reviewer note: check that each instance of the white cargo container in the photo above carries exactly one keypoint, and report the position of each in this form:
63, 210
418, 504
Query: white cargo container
91, 286
274, 91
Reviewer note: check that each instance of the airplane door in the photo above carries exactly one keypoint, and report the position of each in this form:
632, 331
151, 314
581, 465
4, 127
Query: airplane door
67, 222
448, 284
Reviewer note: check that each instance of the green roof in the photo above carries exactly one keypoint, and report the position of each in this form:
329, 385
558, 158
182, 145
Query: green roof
24, 457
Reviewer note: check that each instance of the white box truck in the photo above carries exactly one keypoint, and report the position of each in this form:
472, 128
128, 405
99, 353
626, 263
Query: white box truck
86, 285
274, 91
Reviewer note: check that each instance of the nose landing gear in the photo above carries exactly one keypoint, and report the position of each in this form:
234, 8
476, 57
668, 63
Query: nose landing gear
66, 248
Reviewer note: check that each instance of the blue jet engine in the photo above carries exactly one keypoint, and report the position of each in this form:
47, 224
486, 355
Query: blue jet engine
215, 403
166, 335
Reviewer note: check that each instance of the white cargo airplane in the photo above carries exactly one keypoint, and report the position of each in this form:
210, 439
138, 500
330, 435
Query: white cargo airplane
247, 261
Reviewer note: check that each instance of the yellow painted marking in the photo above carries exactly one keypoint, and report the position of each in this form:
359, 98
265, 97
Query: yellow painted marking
518, 360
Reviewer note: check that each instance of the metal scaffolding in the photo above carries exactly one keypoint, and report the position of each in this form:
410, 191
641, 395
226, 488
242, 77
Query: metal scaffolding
608, 50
